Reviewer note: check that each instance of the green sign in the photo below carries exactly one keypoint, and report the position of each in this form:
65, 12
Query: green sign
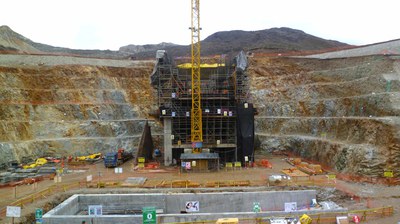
39, 213
256, 207
149, 215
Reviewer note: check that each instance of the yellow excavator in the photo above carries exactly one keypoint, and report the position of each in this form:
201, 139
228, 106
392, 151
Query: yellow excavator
89, 157
38, 162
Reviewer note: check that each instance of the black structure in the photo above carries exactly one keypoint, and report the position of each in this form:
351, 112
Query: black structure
245, 129
228, 118
146, 145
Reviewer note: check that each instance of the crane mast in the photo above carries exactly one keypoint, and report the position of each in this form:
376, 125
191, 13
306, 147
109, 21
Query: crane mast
196, 113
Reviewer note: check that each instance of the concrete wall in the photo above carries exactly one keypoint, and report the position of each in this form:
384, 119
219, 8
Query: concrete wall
239, 201
177, 218
71, 206
212, 206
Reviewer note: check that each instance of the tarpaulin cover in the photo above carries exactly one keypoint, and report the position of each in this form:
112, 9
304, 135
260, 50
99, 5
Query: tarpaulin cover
245, 131
146, 145
162, 60
241, 62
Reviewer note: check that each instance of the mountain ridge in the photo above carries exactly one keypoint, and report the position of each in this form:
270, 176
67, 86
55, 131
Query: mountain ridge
272, 40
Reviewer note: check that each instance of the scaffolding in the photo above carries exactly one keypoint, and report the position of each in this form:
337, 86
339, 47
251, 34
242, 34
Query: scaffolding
223, 86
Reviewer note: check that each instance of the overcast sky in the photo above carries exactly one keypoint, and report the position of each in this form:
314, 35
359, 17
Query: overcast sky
100, 24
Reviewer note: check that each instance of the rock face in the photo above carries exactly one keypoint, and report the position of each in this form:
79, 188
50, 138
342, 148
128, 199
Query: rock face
148, 47
272, 40
13, 41
73, 109
340, 112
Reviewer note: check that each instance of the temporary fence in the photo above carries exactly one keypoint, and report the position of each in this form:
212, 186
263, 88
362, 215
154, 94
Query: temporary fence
317, 218
213, 184
41, 195
364, 215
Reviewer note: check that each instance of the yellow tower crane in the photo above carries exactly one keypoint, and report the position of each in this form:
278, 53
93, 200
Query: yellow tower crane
196, 116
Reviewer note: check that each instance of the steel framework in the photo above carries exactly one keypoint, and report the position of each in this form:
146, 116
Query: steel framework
196, 118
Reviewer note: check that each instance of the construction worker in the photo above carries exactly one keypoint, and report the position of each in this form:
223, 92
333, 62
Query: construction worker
157, 153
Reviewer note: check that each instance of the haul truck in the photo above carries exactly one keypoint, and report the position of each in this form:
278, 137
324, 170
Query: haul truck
114, 159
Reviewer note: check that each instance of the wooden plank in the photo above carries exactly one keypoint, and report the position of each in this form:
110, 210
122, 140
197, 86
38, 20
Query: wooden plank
294, 173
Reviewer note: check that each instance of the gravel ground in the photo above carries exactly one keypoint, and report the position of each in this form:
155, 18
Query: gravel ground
10, 60
386, 48
378, 195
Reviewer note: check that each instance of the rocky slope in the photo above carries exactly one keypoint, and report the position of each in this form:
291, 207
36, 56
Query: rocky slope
385, 48
230, 42
340, 112
269, 40
343, 112
63, 110
134, 49
227, 42
12, 42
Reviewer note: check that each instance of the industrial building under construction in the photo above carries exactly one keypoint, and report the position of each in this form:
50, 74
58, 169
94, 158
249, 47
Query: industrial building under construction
227, 115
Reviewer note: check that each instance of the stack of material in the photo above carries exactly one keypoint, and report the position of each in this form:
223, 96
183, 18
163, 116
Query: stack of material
266, 163
294, 172
5, 177
293, 161
317, 168
134, 182
47, 171
296, 161
312, 169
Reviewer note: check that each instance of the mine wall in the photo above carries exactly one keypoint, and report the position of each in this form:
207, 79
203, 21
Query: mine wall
369, 105
342, 113
73, 110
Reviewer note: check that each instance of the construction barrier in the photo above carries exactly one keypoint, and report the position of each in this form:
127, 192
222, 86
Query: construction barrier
364, 215
176, 184
317, 218
40, 195
309, 181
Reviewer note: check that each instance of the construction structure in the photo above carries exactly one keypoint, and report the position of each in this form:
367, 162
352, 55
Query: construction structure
196, 113
227, 116
204, 106
173, 208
